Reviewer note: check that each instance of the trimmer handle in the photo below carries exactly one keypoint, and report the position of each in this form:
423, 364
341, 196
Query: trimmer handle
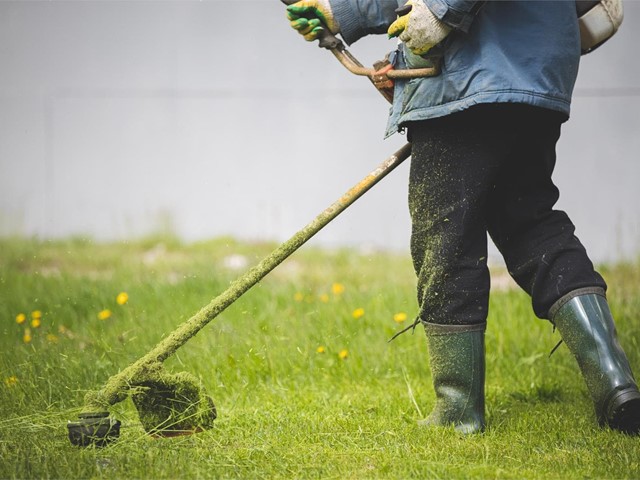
382, 79
326, 39
404, 10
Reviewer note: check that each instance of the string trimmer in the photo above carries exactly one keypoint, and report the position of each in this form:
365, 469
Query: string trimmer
175, 404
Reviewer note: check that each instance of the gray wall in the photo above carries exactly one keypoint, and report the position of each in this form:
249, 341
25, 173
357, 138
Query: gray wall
210, 118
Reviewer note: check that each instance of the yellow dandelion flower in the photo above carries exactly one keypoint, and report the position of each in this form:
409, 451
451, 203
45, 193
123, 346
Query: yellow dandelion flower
51, 338
298, 297
324, 298
343, 354
337, 288
21, 318
36, 314
104, 314
35, 323
400, 317
26, 338
320, 349
358, 312
122, 298
11, 381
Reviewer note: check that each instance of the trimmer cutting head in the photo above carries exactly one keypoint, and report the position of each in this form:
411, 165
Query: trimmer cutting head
172, 404
168, 405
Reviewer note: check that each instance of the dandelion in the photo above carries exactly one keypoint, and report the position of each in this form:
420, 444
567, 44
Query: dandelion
400, 317
320, 349
343, 354
26, 338
104, 314
122, 298
298, 297
35, 323
21, 318
337, 288
11, 381
324, 298
358, 312
36, 315
51, 338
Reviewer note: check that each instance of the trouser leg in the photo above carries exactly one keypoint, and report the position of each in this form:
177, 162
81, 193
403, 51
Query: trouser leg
538, 242
451, 169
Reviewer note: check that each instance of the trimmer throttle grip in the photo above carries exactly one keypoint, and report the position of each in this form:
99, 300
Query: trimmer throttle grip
404, 10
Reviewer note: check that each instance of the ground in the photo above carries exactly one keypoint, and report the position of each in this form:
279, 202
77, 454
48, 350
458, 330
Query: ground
304, 380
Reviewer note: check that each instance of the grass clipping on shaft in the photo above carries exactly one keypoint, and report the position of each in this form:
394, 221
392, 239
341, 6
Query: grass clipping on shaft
171, 404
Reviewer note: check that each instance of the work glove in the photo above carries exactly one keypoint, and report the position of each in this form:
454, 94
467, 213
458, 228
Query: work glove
419, 29
310, 17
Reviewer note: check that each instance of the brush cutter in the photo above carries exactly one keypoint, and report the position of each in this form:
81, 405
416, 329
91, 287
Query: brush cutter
176, 404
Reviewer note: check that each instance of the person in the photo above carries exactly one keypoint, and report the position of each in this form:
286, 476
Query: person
483, 135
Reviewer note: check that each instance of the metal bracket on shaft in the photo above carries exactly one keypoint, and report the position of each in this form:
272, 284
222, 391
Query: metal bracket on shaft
329, 41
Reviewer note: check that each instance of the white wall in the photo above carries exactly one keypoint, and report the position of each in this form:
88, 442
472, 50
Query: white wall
213, 117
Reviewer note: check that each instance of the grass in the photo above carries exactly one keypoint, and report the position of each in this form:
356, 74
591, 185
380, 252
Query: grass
285, 409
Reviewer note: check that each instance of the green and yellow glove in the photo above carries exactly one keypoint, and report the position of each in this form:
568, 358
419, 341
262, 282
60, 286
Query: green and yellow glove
310, 17
419, 29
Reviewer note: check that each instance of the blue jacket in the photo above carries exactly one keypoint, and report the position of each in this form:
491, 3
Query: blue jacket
522, 51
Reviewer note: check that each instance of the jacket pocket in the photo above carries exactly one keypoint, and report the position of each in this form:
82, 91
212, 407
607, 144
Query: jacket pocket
409, 94
455, 56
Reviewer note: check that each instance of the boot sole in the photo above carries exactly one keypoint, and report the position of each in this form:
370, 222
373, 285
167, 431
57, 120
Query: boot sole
625, 412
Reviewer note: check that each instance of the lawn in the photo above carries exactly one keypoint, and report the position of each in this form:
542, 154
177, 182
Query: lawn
305, 382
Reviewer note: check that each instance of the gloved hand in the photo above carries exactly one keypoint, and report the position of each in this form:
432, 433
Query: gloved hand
419, 29
309, 17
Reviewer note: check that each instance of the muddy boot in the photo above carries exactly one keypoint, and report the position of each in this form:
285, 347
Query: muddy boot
456, 355
586, 326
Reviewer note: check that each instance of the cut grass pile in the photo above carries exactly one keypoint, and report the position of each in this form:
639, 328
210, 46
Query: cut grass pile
303, 378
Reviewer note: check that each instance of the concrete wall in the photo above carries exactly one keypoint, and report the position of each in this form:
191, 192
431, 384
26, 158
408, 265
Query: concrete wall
209, 118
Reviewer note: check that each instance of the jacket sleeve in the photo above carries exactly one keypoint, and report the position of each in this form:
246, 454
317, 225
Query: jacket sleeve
358, 18
458, 14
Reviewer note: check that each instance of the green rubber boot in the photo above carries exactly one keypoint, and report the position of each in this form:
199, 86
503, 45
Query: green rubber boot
456, 355
586, 326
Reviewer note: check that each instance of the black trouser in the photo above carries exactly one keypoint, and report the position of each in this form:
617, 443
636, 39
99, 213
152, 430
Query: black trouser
488, 169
